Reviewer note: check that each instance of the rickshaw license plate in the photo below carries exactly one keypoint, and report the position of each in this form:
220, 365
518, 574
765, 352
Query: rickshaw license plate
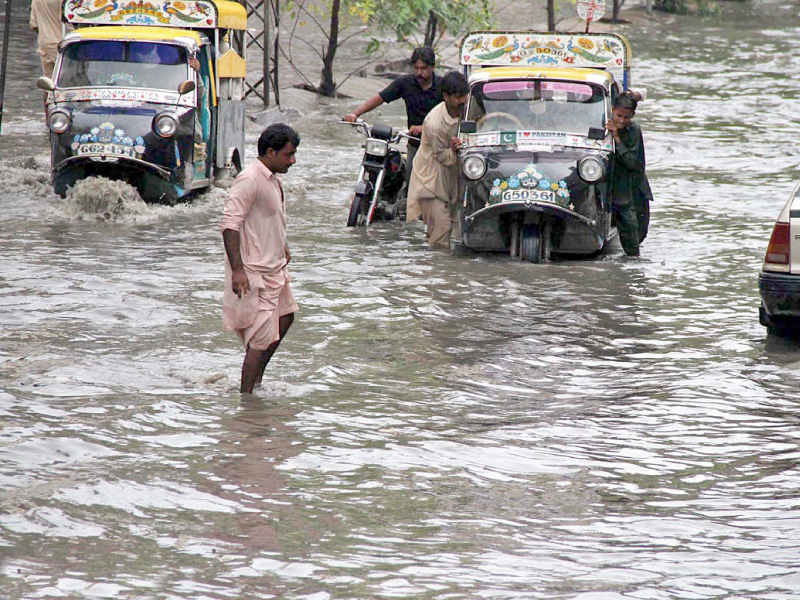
108, 149
529, 196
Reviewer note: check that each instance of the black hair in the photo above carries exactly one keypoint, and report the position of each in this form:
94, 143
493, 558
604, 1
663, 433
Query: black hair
425, 54
626, 100
276, 136
454, 83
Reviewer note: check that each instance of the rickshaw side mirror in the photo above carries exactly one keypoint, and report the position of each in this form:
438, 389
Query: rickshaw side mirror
186, 87
468, 127
46, 84
597, 133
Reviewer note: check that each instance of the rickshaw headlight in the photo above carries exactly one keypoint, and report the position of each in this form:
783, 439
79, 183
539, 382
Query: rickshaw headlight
590, 169
474, 167
165, 125
377, 147
59, 120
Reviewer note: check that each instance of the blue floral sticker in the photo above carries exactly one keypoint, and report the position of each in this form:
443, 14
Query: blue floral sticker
530, 178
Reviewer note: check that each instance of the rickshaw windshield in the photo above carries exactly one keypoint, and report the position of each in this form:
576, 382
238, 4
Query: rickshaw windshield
537, 105
127, 64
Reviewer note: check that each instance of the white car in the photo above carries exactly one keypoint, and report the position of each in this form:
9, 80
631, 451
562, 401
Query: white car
779, 280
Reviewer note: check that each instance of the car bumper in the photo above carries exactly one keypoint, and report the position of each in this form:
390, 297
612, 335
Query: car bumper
780, 294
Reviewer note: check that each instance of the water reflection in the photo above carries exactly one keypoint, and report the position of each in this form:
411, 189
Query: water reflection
436, 424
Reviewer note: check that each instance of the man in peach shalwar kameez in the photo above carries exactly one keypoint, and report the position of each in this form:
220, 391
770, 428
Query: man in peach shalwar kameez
258, 302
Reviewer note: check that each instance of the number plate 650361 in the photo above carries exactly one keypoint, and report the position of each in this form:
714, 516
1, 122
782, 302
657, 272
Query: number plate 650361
529, 196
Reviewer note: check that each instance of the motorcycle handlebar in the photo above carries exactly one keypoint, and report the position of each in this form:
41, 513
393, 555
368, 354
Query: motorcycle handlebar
366, 129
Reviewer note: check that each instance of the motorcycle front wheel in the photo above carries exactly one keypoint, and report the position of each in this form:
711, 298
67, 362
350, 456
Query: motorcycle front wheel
357, 209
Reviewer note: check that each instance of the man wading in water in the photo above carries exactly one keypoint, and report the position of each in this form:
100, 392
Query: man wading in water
433, 189
630, 188
258, 302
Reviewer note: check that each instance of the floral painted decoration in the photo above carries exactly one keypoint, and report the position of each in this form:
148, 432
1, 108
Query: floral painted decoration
530, 178
107, 139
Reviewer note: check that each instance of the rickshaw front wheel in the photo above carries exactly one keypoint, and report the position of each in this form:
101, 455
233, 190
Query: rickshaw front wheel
531, 244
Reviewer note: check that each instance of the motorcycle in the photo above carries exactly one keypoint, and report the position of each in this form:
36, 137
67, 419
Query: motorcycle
380, 185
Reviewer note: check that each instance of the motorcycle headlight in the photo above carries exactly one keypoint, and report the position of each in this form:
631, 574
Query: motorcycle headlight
590, 168
377, 147
59, 120
474, 167
165, 125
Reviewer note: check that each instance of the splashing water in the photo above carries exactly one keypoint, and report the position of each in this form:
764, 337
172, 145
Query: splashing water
103, 199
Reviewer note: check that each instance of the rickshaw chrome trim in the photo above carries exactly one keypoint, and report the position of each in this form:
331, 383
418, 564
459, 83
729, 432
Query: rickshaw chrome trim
163, 117
474, 166
54, 114
161, 171
601, 78
526, 140
121, 96
534, 205
585, 163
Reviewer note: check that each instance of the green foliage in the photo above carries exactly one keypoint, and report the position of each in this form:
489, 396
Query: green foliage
338, 21
406, 18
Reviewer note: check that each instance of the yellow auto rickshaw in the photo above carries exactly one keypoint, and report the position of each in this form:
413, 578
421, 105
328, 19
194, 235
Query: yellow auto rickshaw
150, 93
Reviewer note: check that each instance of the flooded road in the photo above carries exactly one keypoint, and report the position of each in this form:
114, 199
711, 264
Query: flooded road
435, 425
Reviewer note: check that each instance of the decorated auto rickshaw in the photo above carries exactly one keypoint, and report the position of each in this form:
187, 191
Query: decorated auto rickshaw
536, 156
150, 93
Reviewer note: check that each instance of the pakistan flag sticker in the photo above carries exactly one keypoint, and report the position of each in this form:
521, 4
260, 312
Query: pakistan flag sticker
508, 137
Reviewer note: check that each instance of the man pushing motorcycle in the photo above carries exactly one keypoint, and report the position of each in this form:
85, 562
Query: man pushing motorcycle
420, 91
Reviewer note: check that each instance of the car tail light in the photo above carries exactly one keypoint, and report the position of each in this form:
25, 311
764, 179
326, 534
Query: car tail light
778, 249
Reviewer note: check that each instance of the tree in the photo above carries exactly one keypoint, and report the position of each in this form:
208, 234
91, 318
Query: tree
552, 9
405, 18
327, 87
357, 17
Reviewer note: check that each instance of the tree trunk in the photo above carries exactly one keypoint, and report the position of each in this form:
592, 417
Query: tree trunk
671, 6
327, 87
649, 7
551, 15
615, 10
430, 29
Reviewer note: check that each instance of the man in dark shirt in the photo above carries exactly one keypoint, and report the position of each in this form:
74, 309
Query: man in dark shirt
630, 190
420, 91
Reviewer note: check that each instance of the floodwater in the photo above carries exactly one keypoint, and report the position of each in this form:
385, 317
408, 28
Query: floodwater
436, 425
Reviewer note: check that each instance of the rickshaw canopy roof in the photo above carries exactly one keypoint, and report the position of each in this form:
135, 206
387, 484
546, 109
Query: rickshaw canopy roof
531, 48
232, 15
189, 14
598, 77
136, 33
